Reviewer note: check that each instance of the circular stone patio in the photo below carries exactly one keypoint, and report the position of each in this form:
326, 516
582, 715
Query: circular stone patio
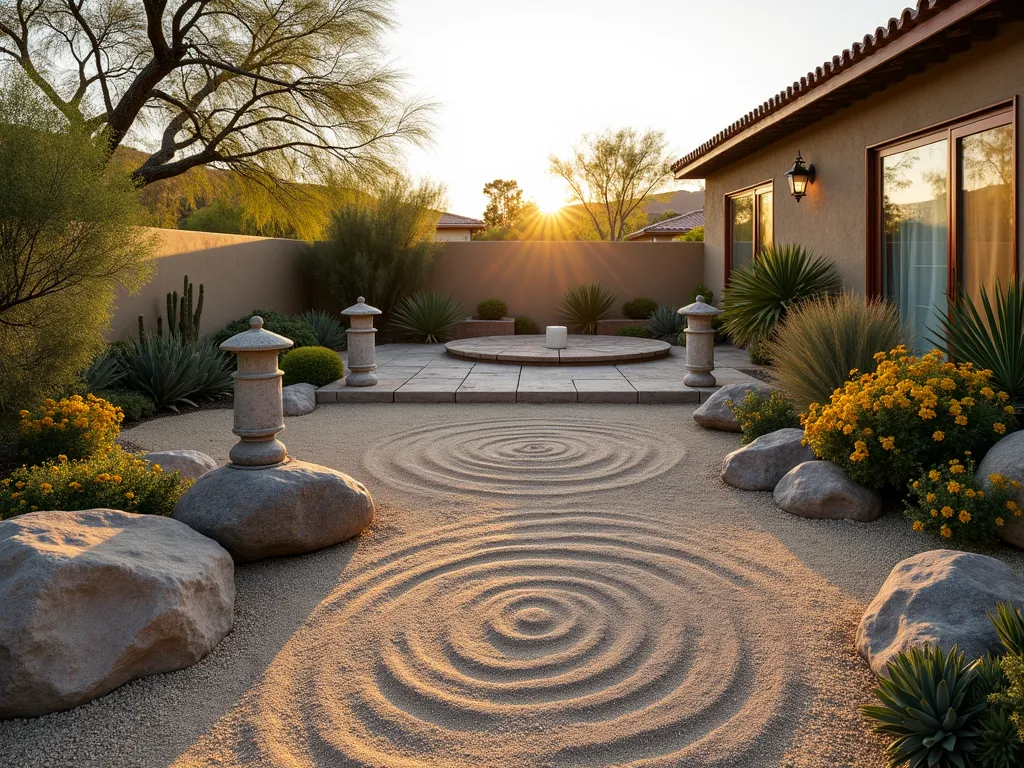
581, 349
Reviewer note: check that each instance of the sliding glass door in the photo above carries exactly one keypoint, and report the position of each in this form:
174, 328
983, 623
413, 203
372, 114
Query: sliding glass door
750, 225
945, 211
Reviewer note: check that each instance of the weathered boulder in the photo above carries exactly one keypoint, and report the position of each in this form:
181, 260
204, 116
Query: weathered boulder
760, 465
822, 490
1006, 458
940, 597
90, 600
287, 509
298, 399
189, 464
715, 414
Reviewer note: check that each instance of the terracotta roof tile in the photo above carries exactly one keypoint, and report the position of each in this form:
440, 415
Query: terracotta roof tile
677, 225
454, 221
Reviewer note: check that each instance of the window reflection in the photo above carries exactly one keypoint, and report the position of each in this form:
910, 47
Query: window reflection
742, 231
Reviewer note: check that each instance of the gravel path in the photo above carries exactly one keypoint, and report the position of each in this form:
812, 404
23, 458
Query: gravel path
543, 586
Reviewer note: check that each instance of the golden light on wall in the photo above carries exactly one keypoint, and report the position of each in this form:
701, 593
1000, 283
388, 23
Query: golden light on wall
800, 177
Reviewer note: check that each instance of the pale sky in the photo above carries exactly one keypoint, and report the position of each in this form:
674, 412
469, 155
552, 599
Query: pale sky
518, 80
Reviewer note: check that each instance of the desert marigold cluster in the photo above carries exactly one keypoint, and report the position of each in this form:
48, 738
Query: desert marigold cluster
909, 414
76, 427
947, 501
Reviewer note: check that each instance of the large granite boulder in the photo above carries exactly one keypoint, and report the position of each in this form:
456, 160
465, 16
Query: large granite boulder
286, 509
822, 490
715, 414
1006, 458
90, 600
942, 598
298, 399
189, 464
760, 465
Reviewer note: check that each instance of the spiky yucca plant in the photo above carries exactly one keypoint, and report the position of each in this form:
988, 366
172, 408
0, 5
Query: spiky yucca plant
819, 343
995, 341
328, 329
428, 318
927, 709
1009, 626
583, 305
665, 323
778, 280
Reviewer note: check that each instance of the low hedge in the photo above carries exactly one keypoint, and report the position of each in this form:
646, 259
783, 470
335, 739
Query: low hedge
318, 366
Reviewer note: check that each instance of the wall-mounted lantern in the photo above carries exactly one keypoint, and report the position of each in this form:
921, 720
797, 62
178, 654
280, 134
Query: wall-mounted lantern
800, 177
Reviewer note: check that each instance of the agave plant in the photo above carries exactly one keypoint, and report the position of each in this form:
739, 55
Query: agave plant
584, 305
778, 280
428, 318
328, 329
105, 371
995, 341
927, 709
665, 324
173, 372
1009, 626
818, 344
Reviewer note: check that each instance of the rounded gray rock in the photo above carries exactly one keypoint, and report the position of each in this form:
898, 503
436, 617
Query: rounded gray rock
288, 509
940, 597
715, 414
1006, 458
189, 464
822, 490
298, 399
90, 600
761, 464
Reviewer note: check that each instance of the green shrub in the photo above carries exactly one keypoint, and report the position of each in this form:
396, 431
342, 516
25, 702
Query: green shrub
428, 318
134, 405
776, 282
105, 371
584, 305
946, 501
760, 413
634, 331
75, 427
823, 340
692, 235
525, 326
112, 479
327, 329
639, 309
888, 427
491, 309
994, 341
927, 709
703, 290
173, 372
292, 328
758, 352
318, 366
1013, 698
665, 323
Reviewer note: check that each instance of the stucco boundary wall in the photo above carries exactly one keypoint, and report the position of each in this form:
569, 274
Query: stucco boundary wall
242, 273
239, 274
532, 277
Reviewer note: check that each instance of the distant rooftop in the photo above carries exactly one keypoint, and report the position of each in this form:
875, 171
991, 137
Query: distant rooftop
677, 225
454, 221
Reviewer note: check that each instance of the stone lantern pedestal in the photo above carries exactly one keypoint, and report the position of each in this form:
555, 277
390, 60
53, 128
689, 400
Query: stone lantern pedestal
700, 343
259, 412
362, 345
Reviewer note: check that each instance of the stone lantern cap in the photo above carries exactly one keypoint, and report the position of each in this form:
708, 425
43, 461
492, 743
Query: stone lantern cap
256, 339
361, 308
699, 308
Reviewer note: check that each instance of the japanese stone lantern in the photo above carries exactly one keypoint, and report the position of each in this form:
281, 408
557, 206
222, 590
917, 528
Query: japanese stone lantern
259, 412
362, 362
700, 343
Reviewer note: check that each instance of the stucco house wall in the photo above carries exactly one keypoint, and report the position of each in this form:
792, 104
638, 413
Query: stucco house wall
832, 218
453, 235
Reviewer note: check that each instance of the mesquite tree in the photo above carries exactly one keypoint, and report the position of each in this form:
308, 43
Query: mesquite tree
279, 91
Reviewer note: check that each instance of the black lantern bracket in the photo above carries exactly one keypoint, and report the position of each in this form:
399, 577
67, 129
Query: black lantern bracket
800, 177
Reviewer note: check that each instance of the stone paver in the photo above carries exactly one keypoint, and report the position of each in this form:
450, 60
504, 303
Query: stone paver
425, 373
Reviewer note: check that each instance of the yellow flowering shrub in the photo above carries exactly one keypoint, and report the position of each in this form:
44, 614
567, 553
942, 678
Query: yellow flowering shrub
759, 413
112, 479
946, 501
885, 427
77, 427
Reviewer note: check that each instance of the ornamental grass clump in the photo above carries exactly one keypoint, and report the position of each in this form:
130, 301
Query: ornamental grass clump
887, 427
760, 413
77, 427
583, 306
946, 501
112, 479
